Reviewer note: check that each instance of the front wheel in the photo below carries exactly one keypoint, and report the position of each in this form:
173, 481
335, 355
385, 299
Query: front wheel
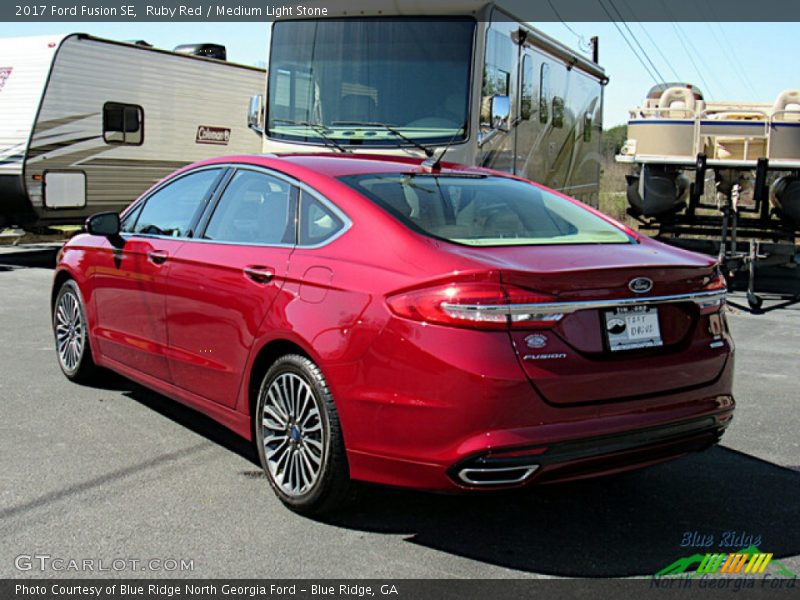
299, 438
72, 335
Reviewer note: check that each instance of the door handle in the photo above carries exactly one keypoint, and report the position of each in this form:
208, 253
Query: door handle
158, 257
260, 274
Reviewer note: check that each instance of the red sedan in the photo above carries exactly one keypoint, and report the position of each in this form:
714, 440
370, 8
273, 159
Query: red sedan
381, 319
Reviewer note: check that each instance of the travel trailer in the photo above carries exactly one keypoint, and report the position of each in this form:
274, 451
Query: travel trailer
88, 124
465, 77
728, 172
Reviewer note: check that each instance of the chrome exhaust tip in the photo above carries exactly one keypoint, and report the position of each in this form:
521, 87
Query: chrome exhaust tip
485, 476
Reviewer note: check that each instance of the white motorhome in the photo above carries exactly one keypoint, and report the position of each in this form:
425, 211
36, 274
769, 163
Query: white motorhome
406, 77
88, 124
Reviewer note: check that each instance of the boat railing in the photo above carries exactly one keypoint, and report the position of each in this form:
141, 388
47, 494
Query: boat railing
795, 112
645, 112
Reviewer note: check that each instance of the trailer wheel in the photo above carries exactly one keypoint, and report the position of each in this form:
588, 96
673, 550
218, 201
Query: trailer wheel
754, 301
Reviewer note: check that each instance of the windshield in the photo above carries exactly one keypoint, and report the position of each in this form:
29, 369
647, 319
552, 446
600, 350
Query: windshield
479, 210
346, 80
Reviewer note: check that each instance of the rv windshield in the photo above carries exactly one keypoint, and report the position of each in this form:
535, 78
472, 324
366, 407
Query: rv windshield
370, 82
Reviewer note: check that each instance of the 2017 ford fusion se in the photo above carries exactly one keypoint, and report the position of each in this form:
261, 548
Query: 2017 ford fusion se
366, 318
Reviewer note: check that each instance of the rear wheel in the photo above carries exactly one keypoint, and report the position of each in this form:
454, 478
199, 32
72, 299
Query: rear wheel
299, 438
72, 336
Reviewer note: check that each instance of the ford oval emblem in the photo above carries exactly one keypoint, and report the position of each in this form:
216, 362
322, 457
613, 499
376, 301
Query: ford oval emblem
640, 285
536, 340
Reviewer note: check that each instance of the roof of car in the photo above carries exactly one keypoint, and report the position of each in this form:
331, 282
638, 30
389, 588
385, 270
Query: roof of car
337, 165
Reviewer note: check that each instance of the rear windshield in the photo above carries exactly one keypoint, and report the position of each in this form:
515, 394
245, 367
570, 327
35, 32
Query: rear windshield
478, 210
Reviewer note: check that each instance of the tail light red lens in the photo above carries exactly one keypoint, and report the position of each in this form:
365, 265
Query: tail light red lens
481, 305
715, 283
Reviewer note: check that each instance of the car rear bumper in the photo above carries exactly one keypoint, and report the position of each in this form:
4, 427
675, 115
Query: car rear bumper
451, 399
583, 456
588, 457
548, 454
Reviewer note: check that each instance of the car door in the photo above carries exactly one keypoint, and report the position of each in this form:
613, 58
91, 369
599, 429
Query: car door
130, 275
223, 283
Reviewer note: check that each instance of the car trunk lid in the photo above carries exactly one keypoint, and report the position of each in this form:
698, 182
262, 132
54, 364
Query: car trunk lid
645, 289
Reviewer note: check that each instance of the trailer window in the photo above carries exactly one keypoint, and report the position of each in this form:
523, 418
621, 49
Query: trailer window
526, 105
544, 93
587, 126
123, 123
500, 58
558, 111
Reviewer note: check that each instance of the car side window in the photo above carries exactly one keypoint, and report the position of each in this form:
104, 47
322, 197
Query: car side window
255, 208
317, 222
129, 220
171, 210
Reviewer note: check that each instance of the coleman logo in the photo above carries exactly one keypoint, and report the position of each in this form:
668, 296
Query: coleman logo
5, 73
213, 135
640, 285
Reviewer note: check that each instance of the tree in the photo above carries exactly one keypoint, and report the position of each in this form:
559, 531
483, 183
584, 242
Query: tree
613, 139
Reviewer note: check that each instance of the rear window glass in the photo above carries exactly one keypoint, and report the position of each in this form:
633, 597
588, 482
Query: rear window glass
482, 210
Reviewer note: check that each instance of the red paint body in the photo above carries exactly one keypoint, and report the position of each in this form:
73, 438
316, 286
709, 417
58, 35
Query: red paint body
415, 399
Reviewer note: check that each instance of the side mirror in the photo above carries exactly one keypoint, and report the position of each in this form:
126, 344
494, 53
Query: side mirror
255, 116
105, 224
501, 110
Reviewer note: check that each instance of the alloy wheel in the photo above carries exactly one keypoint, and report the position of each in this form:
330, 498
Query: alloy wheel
69, 331
292, 431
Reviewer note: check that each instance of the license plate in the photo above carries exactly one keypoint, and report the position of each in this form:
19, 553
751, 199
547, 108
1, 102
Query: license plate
632, 327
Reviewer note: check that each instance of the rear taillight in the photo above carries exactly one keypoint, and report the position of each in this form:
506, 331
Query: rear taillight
716, 283
480, 305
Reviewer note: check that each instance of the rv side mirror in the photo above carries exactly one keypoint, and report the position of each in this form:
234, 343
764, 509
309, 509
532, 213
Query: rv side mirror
500, 109
255, 116
105, 224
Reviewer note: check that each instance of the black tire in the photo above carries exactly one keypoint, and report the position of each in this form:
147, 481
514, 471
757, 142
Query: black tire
331, 487
77, 364
754, 301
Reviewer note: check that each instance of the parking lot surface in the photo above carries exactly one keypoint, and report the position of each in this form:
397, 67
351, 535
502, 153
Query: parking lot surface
118, 472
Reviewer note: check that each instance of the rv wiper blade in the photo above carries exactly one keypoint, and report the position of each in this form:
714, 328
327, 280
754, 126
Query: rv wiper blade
428, 152
319, 129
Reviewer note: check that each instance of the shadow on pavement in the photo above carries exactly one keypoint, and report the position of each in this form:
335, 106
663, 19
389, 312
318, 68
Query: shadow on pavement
28, 256
189, 418
624, 525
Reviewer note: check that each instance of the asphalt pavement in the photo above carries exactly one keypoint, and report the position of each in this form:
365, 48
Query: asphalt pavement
120, 473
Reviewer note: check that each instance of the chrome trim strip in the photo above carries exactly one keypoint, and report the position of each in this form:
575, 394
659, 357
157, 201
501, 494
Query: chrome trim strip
560, 308
463, 475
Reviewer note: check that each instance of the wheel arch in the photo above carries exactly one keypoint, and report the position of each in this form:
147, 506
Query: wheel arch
264, 359
62, 276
